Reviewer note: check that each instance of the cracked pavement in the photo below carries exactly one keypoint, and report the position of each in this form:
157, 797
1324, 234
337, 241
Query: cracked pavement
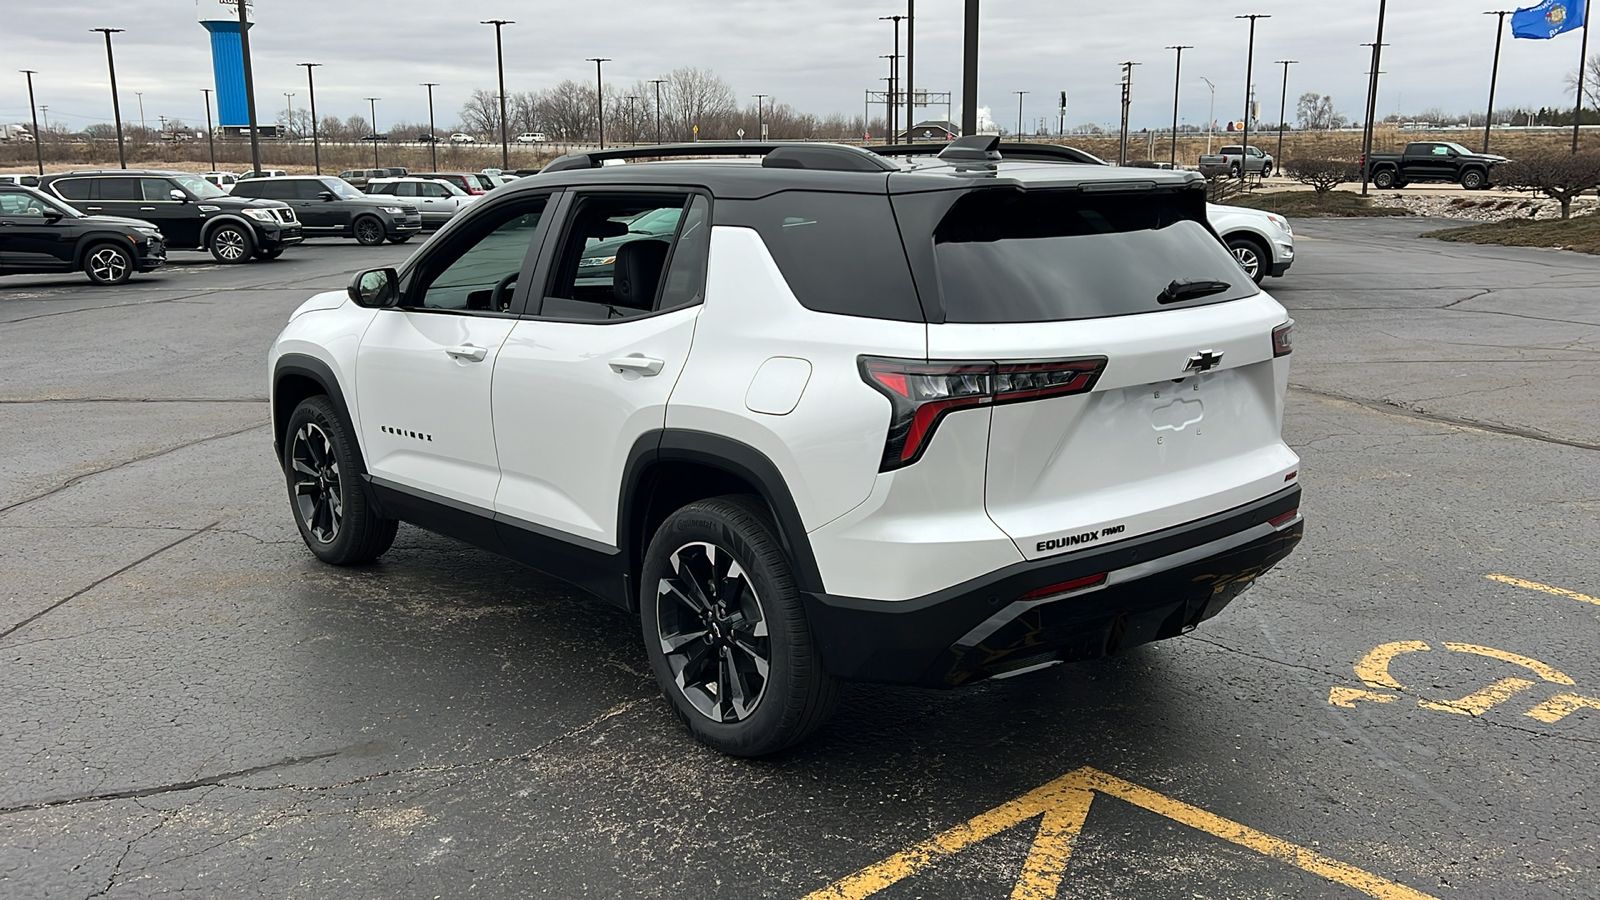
194, 705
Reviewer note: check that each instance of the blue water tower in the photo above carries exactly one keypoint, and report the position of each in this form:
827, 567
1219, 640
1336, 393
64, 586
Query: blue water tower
221, 19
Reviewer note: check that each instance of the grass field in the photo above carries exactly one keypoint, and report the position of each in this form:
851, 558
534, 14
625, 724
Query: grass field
1580, 233
1309, 205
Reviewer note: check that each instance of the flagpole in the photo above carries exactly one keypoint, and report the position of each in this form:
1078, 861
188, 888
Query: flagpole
1583, 60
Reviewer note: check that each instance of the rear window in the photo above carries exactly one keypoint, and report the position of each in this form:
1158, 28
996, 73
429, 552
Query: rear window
839, 253
1050, 256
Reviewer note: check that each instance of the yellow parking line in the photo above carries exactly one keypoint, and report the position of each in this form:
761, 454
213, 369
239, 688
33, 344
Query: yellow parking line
1536, 586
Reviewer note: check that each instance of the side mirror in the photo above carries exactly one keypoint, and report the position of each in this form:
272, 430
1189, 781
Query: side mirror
325, 195
375, 288
178, 195
52, 216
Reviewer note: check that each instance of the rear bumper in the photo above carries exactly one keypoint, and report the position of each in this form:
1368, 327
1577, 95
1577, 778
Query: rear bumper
1157, 586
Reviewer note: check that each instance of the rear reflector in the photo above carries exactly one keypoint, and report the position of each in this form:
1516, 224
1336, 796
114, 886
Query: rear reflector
1286, 518
1066, 587
922, 392
1283, 339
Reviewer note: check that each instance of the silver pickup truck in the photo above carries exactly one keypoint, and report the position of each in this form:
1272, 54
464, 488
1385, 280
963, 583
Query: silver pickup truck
1227, 160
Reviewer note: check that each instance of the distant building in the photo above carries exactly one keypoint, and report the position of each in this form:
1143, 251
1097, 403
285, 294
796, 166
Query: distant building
932, 130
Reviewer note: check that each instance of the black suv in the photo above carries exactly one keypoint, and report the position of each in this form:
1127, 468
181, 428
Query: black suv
192, 213
331, 206
39, 235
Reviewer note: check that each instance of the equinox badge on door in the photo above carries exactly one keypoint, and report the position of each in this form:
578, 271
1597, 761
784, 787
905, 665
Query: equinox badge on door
1204, 361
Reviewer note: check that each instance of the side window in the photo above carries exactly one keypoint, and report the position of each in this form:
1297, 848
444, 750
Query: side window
613, 256
431, 190
74, 188
408, 189
157, 189
119, 189
19, 203
1441, 150
686, 274
478, 271
306, 189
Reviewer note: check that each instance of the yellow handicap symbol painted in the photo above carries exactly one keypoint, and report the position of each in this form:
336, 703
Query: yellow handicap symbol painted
1061, 807
1373, 670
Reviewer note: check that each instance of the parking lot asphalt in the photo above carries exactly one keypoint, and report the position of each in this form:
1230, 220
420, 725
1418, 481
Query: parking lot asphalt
1408, 707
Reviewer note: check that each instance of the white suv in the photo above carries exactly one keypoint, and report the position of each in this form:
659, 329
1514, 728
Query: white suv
815, 414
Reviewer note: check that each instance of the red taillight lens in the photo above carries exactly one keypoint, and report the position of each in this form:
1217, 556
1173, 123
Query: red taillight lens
1283, 339
922, 392
1066, 587
1286, 518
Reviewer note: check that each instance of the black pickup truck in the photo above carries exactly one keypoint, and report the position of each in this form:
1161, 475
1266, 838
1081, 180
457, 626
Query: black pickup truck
1432, 161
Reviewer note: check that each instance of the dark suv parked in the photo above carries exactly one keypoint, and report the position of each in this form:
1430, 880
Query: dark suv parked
39, 234
192, 213
330, 206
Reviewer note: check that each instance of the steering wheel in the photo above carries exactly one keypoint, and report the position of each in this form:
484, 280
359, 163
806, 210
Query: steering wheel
503, 287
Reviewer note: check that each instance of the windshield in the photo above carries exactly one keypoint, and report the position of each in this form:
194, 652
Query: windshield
452, 189
344, 190
1050, 256
660, 221
199, 187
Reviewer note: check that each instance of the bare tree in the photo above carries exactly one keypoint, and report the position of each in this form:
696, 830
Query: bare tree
700, 97
481, 113
1591, 79
1558, 175
1315, 111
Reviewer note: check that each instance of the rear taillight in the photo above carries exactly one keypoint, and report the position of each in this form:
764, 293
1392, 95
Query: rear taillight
1056, 591
1283, 339
1280, 522
923, 392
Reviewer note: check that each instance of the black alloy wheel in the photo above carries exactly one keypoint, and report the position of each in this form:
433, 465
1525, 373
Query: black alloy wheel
336, 520
368, 231
726, 630
108, 264
1250, 256
1472, 180
231, 244
1384, 179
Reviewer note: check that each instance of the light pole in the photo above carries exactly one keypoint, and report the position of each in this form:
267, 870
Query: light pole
1020, 95
311, 91
249, 86
1249, 73
1127, 101
1211, 119
44, 110
600, 97
288, 109
38, 137
500, 63
894, 82
372, 104
211, 138
911, 85
658, 82
116, 107
140, 95
633, 121
1283, 107
1177, 76
761, 131
969, 68
433, 136
1494, 75
1372, 99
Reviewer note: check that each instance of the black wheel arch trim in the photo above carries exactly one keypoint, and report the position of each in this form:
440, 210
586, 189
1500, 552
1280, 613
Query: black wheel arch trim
215, 222
299, 364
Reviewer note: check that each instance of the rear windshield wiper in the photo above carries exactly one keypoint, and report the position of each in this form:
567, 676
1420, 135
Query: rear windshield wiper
1189, 288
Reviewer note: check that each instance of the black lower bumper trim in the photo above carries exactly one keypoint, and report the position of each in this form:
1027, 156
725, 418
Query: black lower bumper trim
1169, 582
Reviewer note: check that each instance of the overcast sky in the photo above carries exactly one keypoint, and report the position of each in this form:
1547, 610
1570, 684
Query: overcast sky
818, 55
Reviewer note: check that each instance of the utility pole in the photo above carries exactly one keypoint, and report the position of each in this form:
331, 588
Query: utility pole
633, 121
1249, 73
1061, 123
38, 137
761, 129
1020, 95
911, 84
894, 82
600, 97
500, 64
1177, 80
889, 104
288, 109
658, 82
1583, 59
1372, 99
969, 69
1283, 107
1494, 74
1211, 118
372, 103
116, 107
211, 138
249, 84
433, 135
311, 90
1127, 100
140, 95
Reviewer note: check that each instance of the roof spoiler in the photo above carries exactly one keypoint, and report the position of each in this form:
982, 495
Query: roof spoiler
781, 155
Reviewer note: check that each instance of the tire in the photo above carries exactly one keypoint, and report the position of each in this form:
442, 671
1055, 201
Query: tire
693, 632
1266, 172
1233, 171
108, 264
368, 230
1252, 257
1473, 180
330, 507
401, 239
274, 253
230, 243
1384, 179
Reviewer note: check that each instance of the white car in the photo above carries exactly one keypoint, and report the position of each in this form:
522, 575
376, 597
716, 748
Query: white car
224, 180
830, 417
462, 138
438, 200
1261, 241
532, 137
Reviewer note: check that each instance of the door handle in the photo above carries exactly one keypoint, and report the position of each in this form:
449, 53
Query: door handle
467, 353
147, 209
92, 208
644, 365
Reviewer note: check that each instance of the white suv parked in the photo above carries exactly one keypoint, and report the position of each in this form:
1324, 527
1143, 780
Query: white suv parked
815, 414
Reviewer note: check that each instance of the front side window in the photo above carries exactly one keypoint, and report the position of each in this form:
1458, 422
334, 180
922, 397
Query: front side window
74, 188
155, 189
341, 189
478, 271
22, 203
199, 187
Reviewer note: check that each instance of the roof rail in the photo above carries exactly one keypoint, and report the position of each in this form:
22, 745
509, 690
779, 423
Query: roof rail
1019, 151
780, 155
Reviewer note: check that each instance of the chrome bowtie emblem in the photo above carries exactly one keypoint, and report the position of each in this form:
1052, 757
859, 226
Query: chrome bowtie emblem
1204, 361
